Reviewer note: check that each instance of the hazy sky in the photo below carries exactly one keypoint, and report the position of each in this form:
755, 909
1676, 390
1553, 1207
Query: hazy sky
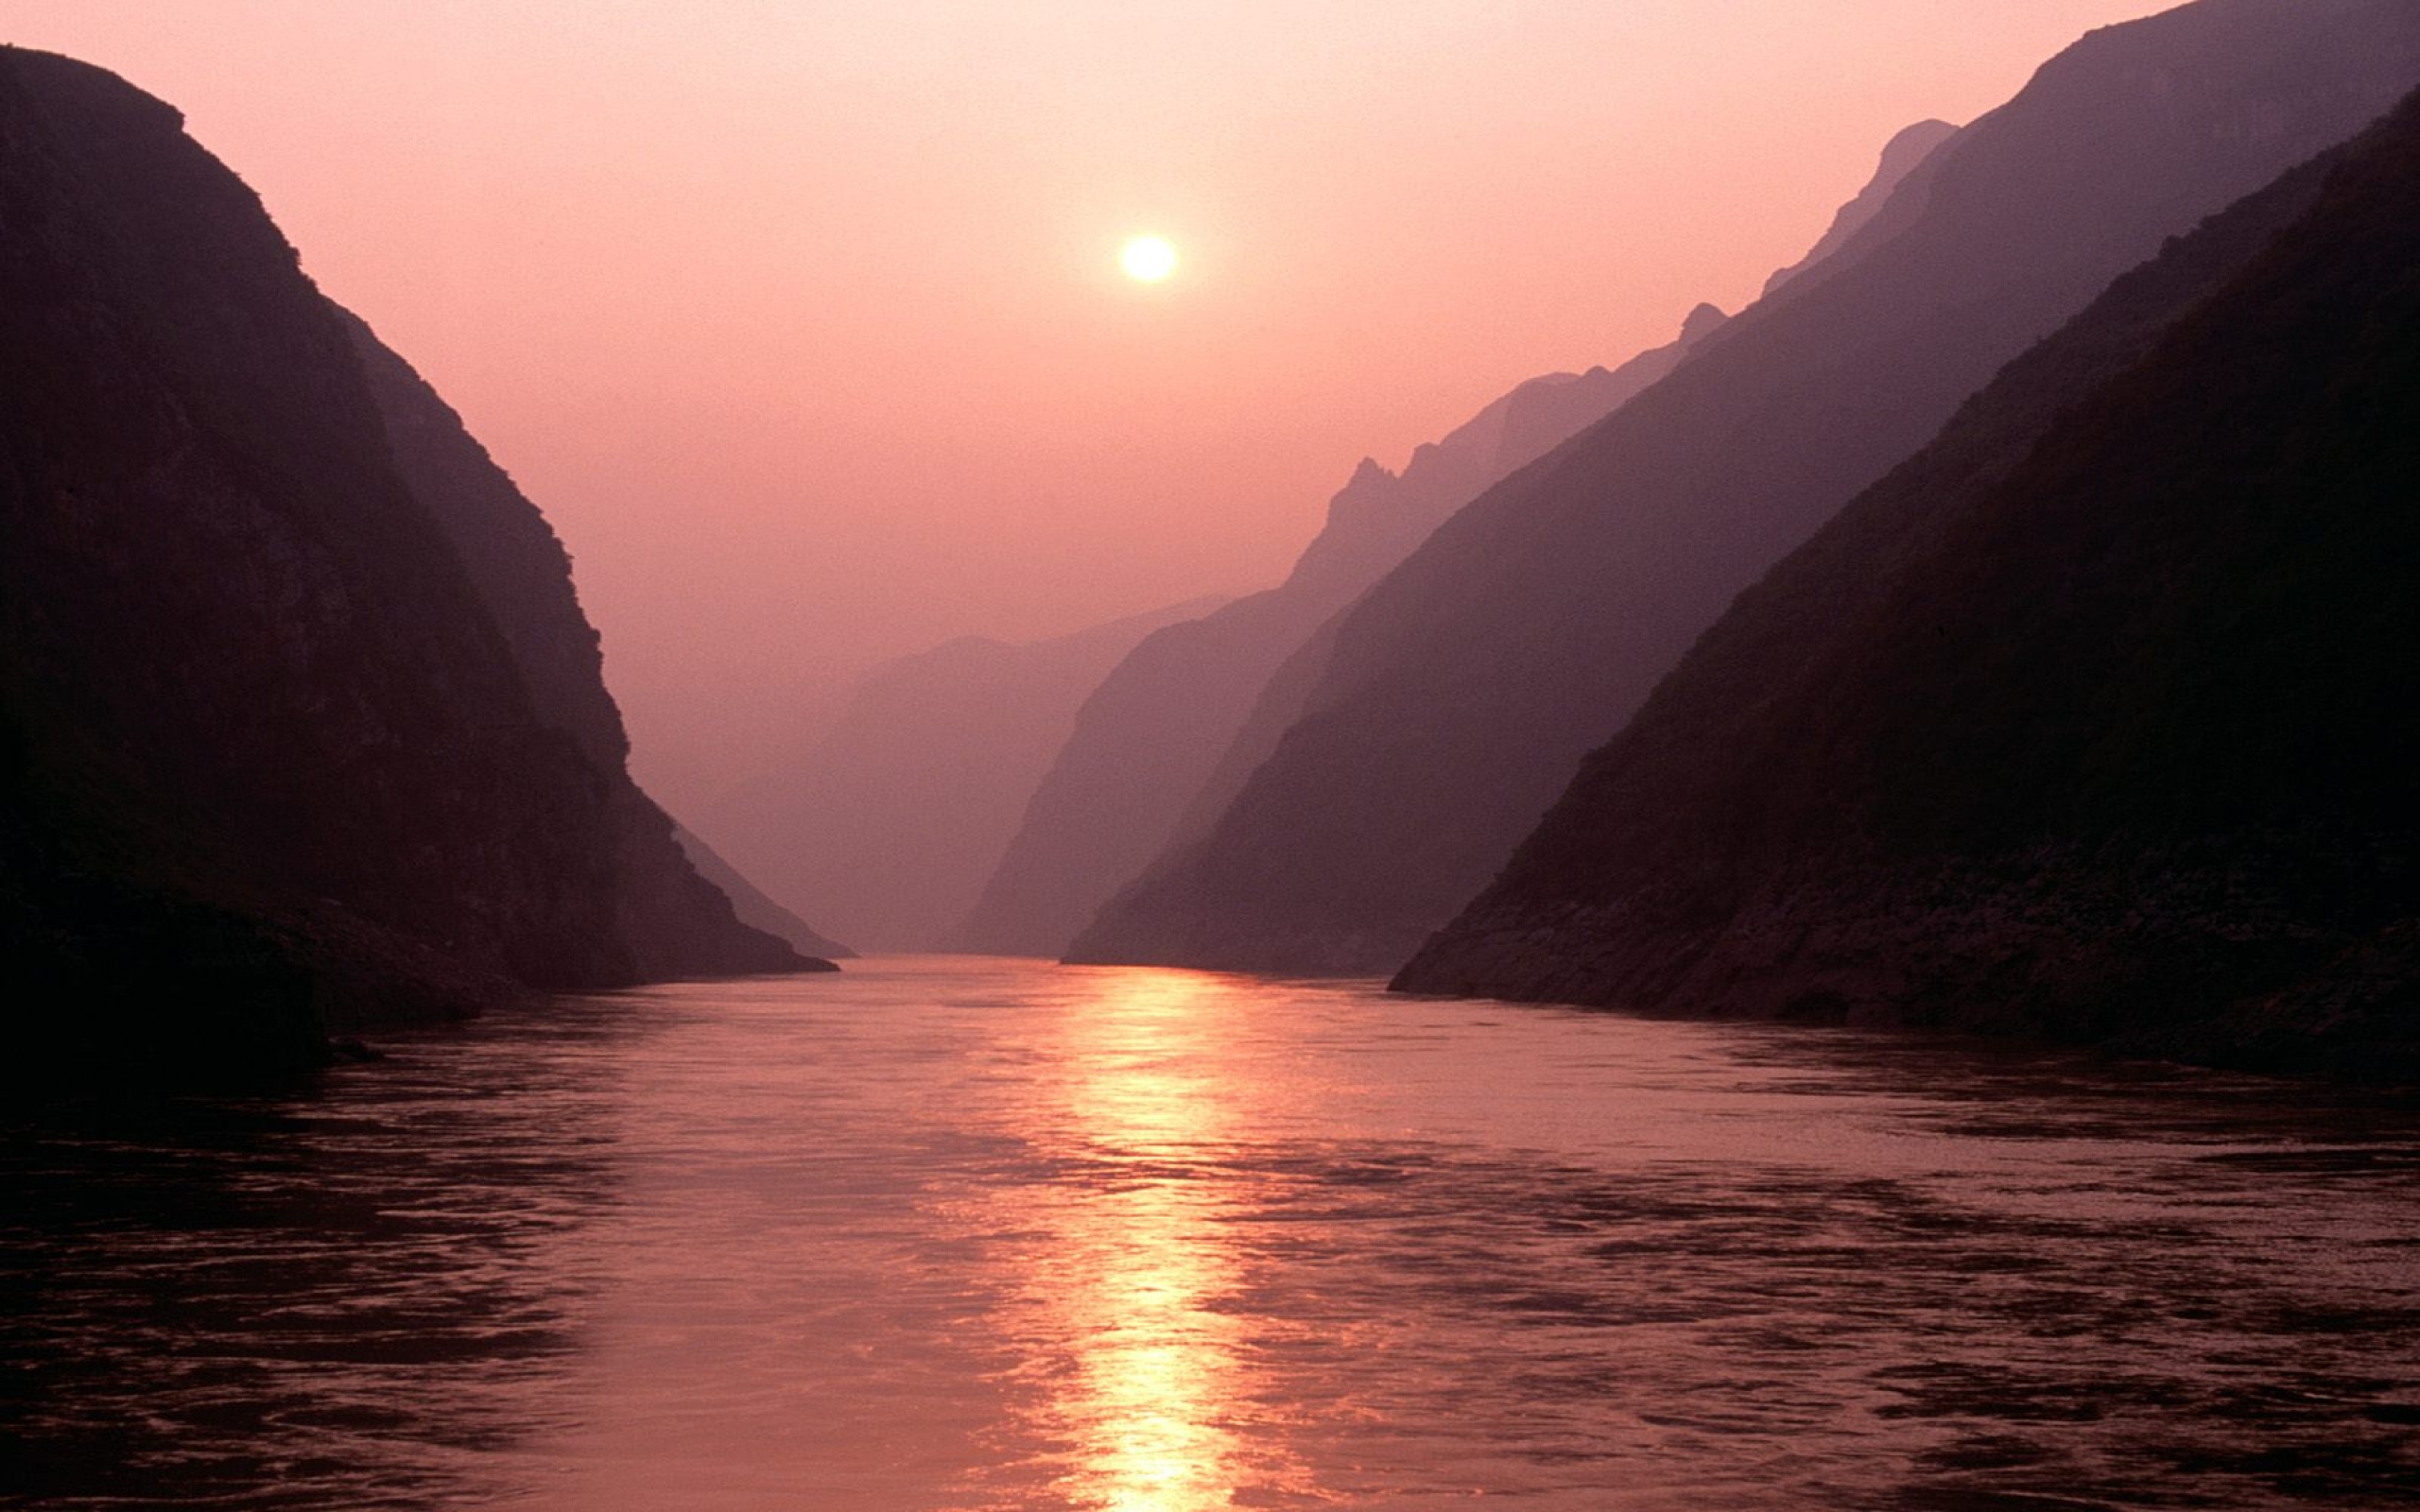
803, 322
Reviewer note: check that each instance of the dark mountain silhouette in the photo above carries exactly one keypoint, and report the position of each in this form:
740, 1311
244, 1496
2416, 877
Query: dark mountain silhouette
677, 923
755, 908
271, 763
888, 822
1152, 735
1466, 688
1901, 156
2094, 719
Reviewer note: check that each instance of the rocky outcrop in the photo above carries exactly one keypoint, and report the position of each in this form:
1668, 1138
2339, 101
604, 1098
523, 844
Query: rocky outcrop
1466, 687
2094, 720
272, 765
1180, 710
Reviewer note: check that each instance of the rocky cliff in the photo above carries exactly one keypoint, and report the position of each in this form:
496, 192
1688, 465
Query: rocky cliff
2093, 720
1466, 687
272, 765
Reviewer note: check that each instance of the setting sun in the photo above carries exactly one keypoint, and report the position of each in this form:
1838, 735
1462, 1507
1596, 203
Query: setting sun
1148, 259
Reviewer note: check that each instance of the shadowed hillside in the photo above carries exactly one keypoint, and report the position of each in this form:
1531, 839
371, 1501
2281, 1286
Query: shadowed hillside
1466, 687
677, 922
754, 906
2094, 720
272, 762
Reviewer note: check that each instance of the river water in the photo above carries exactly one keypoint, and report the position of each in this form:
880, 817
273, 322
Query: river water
970, 1234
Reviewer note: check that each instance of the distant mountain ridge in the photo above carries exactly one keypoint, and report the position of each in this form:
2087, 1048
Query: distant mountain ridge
1902, 156
1466, 687
887, 825
2094, 720
1162, 725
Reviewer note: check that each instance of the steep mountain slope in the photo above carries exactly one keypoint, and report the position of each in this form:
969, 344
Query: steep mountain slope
1466, 688
676, 923
887, 823
1152, 735
270, 764
2096, 720
755, 908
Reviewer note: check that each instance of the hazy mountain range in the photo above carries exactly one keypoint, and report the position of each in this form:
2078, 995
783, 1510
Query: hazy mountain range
1150, 741
888, 821
1466, 687
1515, 432
2003, 624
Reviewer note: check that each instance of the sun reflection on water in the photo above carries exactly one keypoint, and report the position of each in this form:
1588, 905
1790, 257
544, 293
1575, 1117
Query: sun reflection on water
1150, 1405
970, 1236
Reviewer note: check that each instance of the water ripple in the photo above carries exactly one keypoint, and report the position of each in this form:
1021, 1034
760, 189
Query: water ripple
989, 1236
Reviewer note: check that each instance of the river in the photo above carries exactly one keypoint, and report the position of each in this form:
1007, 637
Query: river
971, 1234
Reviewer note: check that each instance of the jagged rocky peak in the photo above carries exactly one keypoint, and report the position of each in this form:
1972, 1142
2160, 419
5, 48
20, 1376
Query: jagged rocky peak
1369, 472
1702, 323
1510, 431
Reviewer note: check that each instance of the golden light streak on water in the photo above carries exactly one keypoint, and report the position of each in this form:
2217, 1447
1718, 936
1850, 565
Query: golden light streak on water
1157, 1374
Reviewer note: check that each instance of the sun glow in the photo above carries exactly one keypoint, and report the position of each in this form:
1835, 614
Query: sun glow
1148, 259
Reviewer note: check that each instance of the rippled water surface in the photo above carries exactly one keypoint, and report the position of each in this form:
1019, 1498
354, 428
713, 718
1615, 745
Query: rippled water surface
976, 1234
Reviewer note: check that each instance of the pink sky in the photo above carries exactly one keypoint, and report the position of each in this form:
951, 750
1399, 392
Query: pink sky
803, 321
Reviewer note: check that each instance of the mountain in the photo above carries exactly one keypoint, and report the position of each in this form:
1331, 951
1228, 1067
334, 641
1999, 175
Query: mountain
1466, 688
887, 824
2094, 720
272, 767
1551, 417
1153, 734
754, 907
676, 922
1902, 155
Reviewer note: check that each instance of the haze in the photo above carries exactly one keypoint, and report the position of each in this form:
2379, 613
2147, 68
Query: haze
804, 323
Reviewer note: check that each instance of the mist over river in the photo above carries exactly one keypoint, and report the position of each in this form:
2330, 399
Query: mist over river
956, 1233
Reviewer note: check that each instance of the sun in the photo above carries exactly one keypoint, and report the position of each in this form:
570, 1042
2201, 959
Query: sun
1148, 259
